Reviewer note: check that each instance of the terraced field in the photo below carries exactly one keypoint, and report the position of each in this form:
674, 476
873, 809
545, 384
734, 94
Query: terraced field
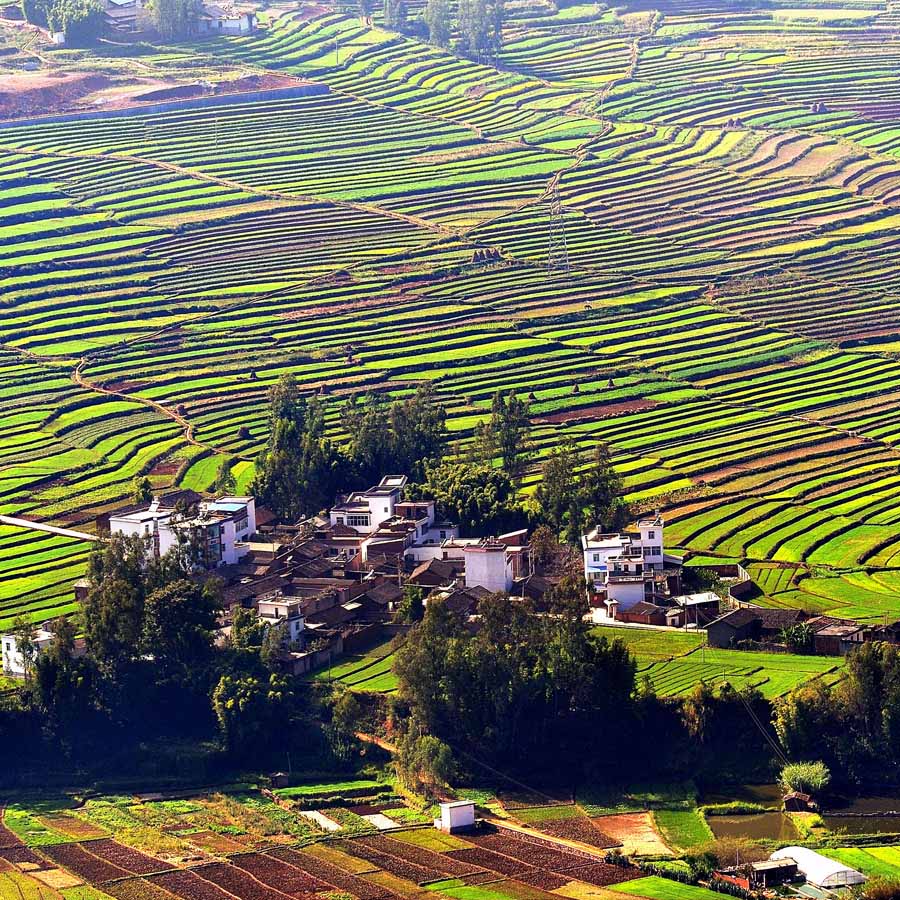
729, 323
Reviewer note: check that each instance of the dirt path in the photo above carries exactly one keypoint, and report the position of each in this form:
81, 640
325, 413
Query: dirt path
51, 529
186, 426
231, 184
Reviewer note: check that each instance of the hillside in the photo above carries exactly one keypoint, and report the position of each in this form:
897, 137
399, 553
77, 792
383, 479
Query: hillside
723, 309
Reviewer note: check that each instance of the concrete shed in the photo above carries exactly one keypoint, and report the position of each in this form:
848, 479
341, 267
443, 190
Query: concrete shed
458, 815
818, 870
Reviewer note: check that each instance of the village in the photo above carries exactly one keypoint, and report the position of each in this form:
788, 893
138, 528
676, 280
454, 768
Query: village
334, 581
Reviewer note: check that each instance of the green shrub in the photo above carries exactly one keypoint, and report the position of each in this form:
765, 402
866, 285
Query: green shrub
808, 777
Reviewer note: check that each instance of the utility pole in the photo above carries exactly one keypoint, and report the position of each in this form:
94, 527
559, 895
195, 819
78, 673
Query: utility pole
557, 248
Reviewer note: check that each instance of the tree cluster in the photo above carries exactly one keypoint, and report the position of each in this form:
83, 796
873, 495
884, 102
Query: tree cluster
300, 470
478, 497
479, 26
152, 671
534, 693
853, 727
175, 19
573, 497
82, 21
524, 690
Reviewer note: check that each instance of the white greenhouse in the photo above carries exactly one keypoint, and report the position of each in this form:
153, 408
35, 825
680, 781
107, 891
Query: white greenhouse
818, 870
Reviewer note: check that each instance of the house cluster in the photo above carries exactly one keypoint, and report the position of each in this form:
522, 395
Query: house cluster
828, 636
632, 579
331, 582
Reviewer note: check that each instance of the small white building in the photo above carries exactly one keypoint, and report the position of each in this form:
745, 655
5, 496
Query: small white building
280, 610
216, 18
11, 662
495, 563
220, 529
365, 511
820, 871
457, 815
624, 568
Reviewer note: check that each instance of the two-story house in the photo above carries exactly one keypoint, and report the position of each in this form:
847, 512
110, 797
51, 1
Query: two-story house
625, 568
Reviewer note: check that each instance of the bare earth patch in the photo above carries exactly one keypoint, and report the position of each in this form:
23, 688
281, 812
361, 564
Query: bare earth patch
635, 832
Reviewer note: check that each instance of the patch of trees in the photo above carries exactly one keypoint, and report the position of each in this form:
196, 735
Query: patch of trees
573, 498
81, 21
853, 727
152, 673
175, 19
478, 497
479, 26
529, 693
300, 470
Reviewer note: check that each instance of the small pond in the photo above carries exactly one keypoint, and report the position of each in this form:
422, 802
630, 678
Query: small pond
863, 815
765, 794
771, 825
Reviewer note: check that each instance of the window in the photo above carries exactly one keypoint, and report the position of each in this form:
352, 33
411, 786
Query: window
596, 557
358, 521
340, 520
386, 509
651, 535
443, 535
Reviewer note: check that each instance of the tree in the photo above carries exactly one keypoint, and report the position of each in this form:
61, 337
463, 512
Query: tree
804, 718
545, 547
602, 493
25, 635
411, 608
248, 709
346, 721
511, 425
174, 18
296, 472
395, 14
437, 20
225, 483
365, 419
403, 436
480, 498
35, 12
113, 610
418, 430
82, 21
247, 630
141, 489
480, 27
424, 762
798, 638
560, 493
179, 624
524, 690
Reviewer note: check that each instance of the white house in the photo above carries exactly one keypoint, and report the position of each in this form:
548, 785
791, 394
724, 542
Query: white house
280, 610
457, 815
220, 529
624, 568
218, 18
365, 511
11, 662
495, 563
